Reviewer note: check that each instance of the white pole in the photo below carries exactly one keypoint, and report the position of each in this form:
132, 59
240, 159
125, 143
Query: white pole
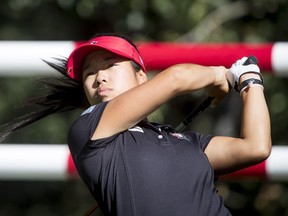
33, 162
24, 58
277, 164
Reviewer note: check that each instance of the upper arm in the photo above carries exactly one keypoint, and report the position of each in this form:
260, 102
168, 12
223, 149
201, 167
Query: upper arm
229, 154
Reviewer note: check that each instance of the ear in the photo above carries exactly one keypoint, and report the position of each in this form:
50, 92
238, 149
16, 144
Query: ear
141, 77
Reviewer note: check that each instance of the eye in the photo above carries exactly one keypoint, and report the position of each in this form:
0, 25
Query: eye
88, 73
111, 65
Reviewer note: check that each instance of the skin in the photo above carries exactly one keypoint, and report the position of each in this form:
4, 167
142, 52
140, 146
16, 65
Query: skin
108, 77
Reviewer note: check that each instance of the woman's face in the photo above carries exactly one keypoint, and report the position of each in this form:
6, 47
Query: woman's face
106, 75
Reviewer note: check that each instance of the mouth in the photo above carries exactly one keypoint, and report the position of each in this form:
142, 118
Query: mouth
103, 92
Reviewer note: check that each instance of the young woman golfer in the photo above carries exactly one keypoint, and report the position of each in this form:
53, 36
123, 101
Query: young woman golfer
135, 167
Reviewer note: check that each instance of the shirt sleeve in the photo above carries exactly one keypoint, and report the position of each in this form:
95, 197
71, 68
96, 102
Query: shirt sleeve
200, 139
83, 128
204, 140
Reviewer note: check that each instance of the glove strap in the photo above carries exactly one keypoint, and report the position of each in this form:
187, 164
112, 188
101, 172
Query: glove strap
238, 87
248, 83
260, 75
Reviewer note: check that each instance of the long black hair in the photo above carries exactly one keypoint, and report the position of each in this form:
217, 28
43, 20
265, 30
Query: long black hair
63, 94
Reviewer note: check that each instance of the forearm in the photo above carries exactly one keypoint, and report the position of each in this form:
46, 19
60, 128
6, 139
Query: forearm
255, 128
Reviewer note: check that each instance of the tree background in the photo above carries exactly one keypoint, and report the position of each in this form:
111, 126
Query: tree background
200, 21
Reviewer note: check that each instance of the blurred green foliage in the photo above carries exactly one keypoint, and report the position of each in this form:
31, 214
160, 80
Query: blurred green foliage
143, 20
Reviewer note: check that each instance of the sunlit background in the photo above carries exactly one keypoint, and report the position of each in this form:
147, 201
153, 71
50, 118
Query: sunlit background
202, 21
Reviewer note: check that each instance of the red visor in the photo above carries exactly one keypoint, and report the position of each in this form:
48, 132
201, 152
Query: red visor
116, 45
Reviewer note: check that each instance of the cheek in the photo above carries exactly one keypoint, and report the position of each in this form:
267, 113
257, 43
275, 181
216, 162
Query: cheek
125, 83
126, 78
89, 91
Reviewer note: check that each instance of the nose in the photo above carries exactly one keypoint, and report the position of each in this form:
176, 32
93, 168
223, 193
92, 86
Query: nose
101, 77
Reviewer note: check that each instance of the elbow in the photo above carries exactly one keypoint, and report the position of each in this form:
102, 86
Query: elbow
262, 151
264, 154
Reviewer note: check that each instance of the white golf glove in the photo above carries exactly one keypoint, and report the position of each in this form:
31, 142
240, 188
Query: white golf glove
238, 69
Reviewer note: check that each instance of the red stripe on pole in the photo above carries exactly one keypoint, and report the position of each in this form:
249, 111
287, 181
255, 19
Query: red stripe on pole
78, 43
257, 171
71, 169
158, 56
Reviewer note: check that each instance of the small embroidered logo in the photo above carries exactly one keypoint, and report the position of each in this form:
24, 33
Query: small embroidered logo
179, 136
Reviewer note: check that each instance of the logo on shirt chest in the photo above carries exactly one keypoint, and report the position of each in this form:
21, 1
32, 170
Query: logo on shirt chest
179, 136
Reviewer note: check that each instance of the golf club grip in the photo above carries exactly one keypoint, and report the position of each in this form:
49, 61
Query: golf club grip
207, 102
251, 60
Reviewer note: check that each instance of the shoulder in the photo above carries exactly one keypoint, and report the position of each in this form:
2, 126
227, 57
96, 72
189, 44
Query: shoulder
84, 125
89, 117
96, 107
89, 110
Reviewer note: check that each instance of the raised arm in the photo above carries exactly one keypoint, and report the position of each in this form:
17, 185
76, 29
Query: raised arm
132, 106
227, 154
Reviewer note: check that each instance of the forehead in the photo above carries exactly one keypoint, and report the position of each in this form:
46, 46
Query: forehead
100, 56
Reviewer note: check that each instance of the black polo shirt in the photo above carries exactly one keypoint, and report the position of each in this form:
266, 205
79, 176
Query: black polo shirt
149, 169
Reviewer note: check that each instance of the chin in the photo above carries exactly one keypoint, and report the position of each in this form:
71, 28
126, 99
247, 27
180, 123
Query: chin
106, 99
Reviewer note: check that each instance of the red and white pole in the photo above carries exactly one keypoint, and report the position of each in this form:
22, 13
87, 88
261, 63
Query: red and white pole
275, 168
54, 162
35, 162
24, 57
